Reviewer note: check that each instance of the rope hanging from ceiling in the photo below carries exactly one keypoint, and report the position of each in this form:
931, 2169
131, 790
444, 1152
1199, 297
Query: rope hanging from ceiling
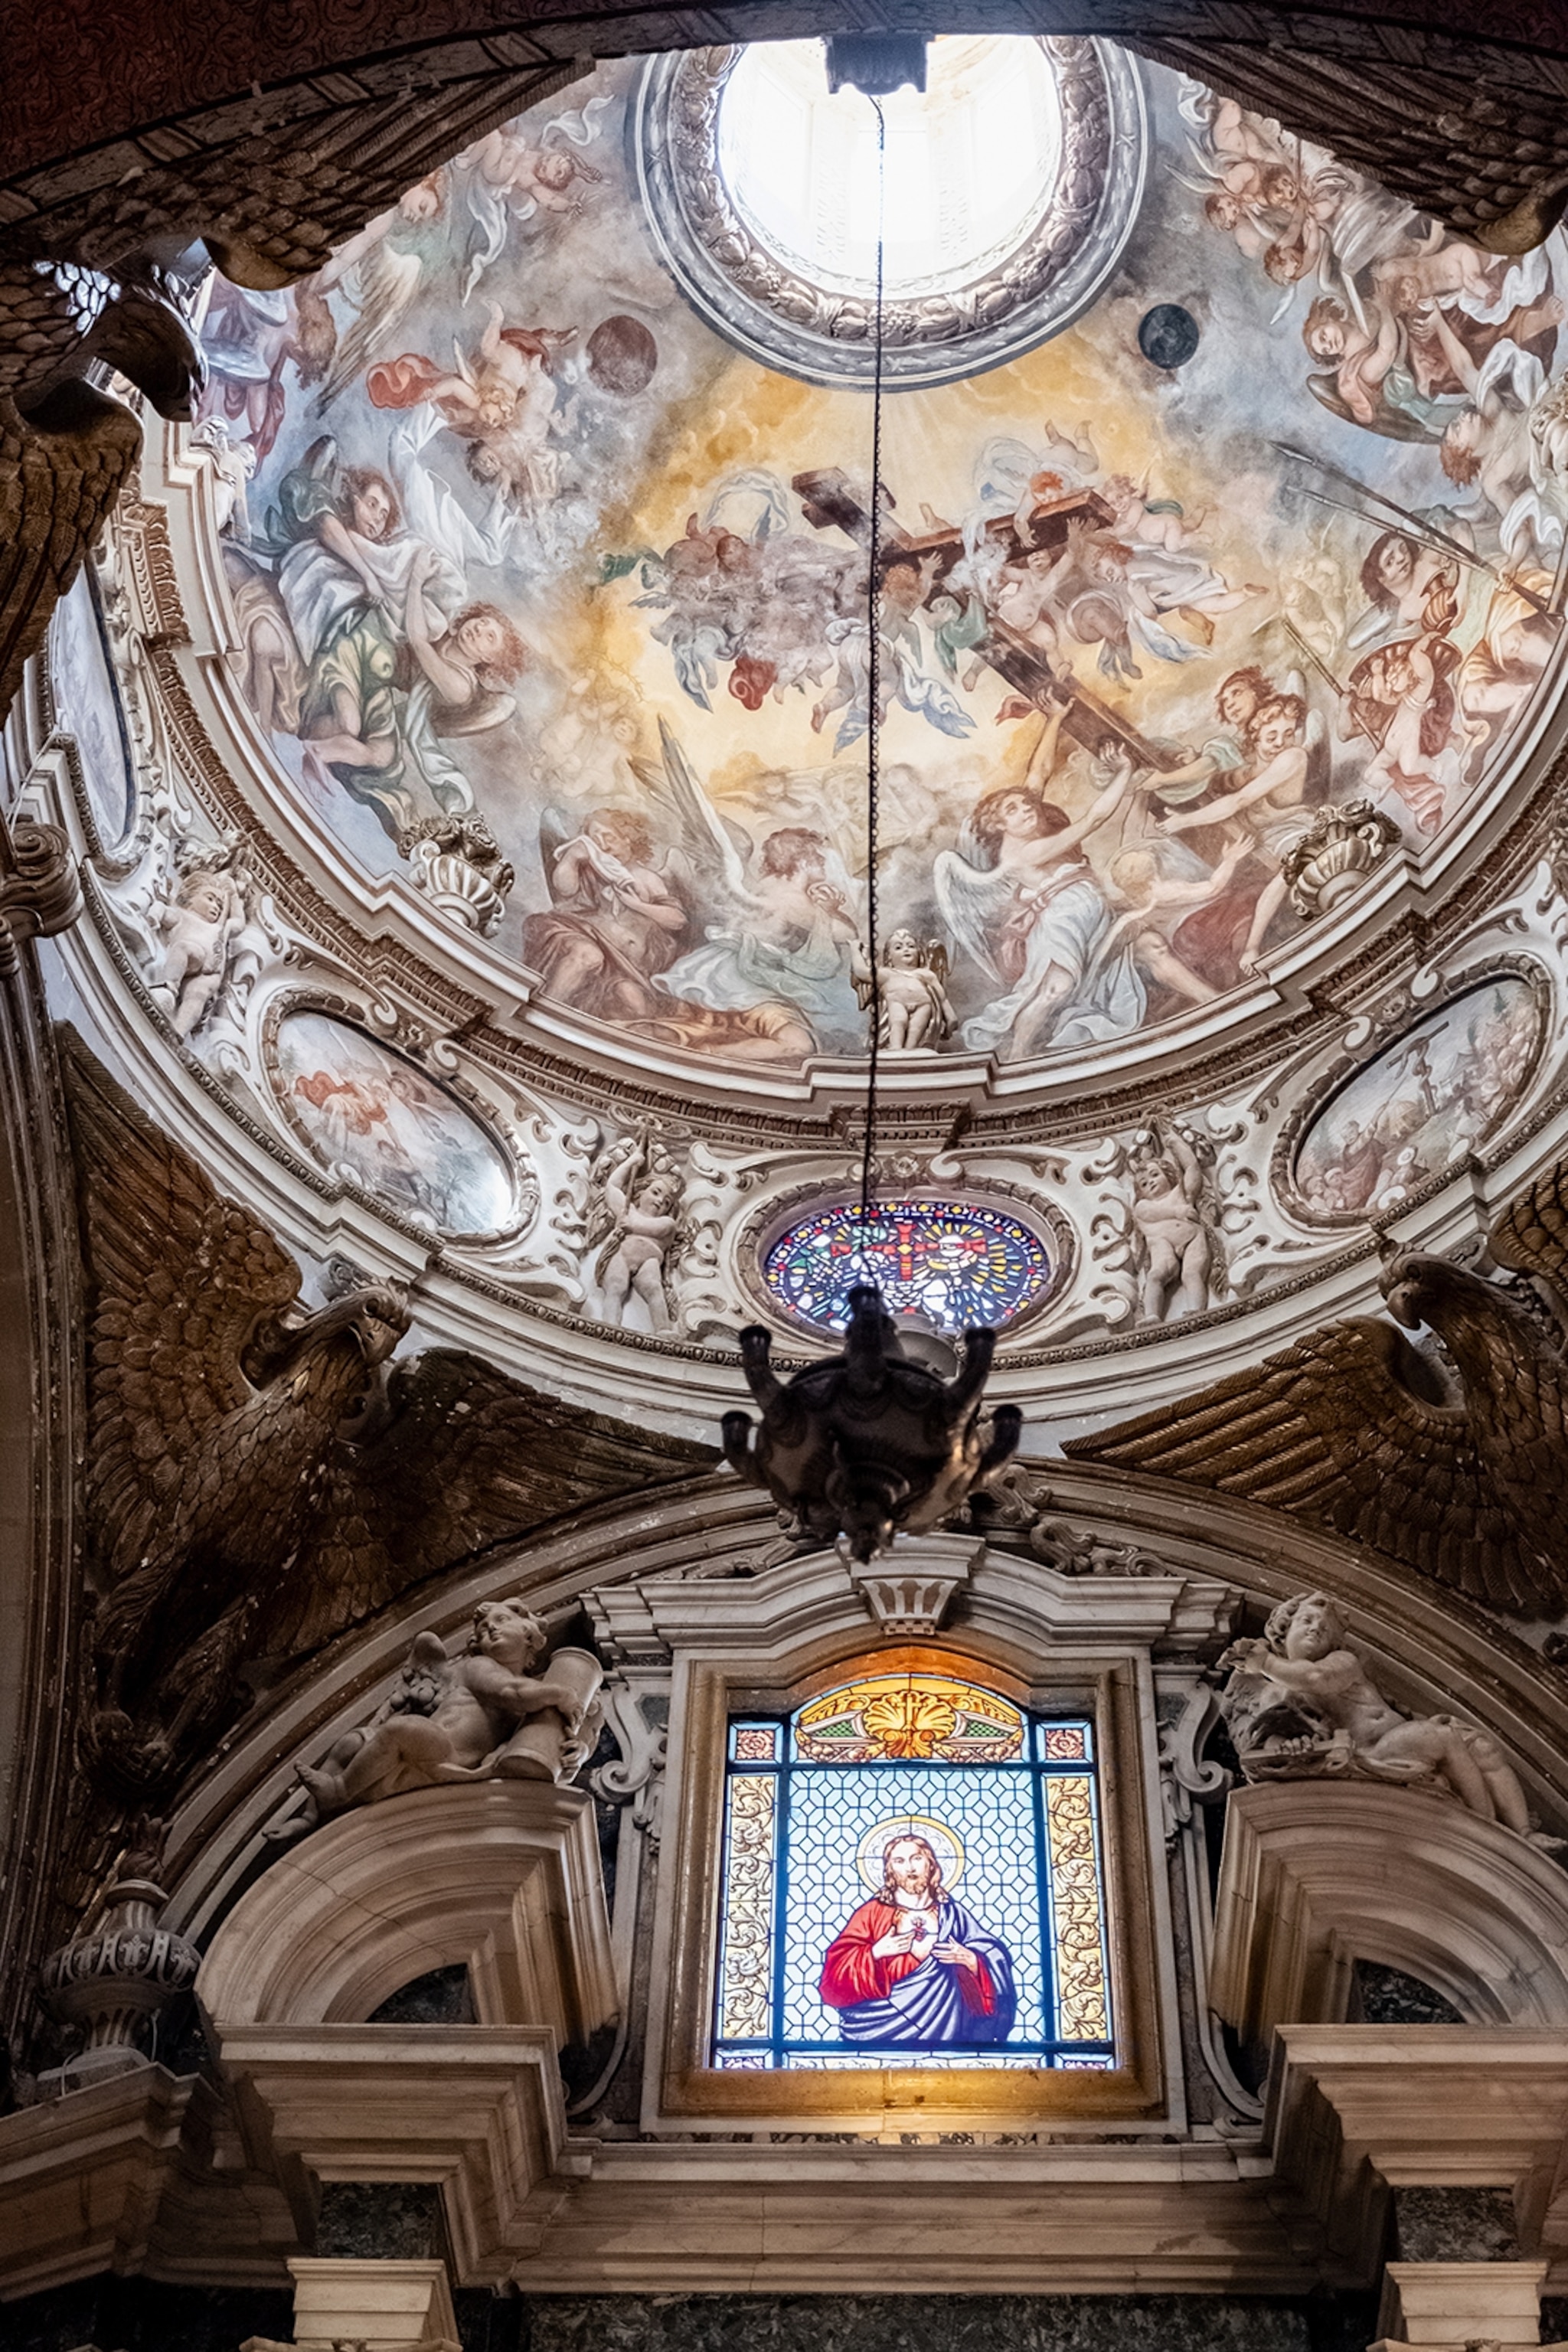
874, 692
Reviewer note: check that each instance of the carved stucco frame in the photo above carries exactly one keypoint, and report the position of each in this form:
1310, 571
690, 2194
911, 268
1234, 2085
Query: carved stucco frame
1399, 1014
771, 1642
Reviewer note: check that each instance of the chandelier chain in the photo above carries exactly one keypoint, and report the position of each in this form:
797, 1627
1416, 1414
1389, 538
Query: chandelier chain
874, 693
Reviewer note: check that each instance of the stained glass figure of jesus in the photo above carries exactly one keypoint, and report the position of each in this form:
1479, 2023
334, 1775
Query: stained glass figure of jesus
912, 1967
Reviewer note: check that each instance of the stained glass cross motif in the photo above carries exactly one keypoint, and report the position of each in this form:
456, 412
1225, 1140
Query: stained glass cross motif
913, 1877
952, 1263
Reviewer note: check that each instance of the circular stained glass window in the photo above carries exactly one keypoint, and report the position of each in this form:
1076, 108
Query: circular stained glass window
951, 1263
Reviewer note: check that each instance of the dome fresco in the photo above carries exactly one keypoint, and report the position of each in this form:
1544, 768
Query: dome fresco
530, 540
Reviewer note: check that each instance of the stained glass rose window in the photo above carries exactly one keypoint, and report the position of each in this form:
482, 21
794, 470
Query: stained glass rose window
951, 1263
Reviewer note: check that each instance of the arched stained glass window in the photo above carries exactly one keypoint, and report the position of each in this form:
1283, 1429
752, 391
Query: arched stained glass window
913, 1877
952, 1263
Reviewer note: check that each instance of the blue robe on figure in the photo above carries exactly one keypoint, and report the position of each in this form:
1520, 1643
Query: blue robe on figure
895, 1999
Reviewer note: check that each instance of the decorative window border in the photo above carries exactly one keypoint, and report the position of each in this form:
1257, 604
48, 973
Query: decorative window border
1052, 1762
1031, 1208
1107, 1681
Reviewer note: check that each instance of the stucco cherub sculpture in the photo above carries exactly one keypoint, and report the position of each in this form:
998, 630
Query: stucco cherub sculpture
482, 1714
1301, 1706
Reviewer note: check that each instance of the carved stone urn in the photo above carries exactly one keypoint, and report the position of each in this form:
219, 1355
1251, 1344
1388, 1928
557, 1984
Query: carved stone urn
122, 1969
457, 862
1343, 847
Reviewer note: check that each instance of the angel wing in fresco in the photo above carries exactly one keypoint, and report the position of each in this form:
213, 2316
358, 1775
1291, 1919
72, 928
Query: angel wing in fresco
237, 1519
381, 287
1462, 1477
718, 849
972, 899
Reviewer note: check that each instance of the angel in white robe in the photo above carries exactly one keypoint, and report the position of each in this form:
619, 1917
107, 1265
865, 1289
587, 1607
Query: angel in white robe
787, 925
1020, 896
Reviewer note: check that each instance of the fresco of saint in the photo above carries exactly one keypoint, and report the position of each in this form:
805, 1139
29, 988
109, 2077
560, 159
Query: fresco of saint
914, 1968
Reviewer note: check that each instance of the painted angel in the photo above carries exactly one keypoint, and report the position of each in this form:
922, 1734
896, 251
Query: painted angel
379, 274
786, 925
1019, 894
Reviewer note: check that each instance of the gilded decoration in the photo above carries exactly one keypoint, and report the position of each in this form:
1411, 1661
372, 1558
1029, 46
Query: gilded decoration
1453, 1463
896, 1716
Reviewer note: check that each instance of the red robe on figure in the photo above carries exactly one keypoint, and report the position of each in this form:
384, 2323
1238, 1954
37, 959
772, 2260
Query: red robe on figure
852, 1973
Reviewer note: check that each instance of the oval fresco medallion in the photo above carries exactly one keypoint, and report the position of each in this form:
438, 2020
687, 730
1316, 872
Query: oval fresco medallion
87, 708
1425, 1100
370, 1113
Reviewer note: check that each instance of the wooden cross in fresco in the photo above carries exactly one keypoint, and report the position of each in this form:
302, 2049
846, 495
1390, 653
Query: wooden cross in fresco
828, 500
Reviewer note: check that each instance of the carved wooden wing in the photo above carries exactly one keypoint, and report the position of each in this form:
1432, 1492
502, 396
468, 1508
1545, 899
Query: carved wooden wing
1531, 1236
178, 1280
467, 1457
57, 487
1347, 1429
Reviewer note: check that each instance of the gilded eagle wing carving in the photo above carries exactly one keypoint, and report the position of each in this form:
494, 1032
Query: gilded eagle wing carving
180, 1281
1350, 1428
465, 1457
203, 1373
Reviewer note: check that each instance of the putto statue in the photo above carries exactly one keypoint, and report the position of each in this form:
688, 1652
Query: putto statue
1301, 1705
869, 1442
480, 1715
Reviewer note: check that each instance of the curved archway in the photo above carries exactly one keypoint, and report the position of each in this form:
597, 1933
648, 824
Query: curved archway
1315, 1878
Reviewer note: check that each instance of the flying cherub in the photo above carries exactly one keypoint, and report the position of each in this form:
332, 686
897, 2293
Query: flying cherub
503, 400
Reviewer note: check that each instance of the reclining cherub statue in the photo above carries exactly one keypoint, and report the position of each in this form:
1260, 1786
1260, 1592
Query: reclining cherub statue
482, 1715
1301, 1706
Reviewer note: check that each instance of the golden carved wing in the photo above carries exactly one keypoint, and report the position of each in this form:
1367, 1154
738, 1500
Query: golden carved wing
1348, 1428
57, 487
463, 1458
1531, 1236
178, 1281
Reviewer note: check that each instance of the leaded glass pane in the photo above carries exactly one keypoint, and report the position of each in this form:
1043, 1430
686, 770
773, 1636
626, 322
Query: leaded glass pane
951, 1263
745, 1967
917, 1881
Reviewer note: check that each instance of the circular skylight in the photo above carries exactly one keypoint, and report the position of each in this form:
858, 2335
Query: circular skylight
1011, 185
971, 162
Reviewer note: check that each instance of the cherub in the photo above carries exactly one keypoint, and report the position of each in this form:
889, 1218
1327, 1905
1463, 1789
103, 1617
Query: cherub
460, 1719
198, 924
1303, 1652
1142, 891
644, 1198
541, 176
915, 1013
1357, 358
1179, 1246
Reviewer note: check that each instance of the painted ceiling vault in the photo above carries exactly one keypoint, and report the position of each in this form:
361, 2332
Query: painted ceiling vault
509, 870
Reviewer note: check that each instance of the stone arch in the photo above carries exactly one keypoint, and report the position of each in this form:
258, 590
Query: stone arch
502, 1875
1316, 1877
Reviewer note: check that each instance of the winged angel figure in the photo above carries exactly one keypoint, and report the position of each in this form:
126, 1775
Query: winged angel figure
1463, 1478
238, 1518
